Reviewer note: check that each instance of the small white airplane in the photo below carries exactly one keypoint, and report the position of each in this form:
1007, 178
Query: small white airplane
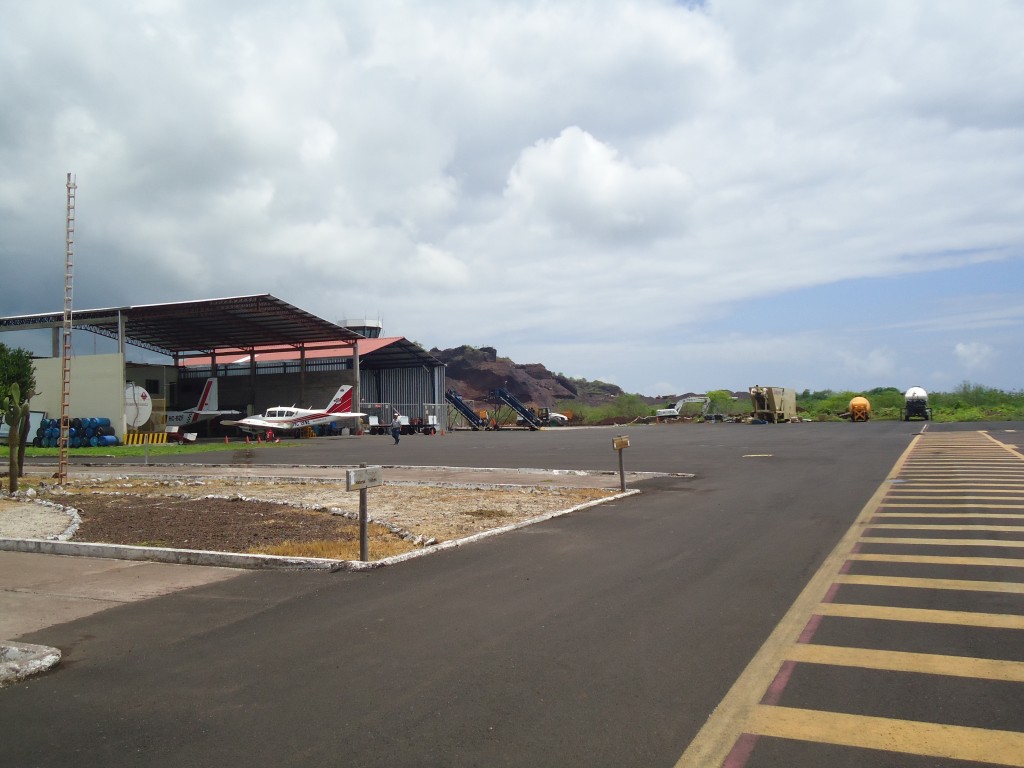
206, 409
290, 418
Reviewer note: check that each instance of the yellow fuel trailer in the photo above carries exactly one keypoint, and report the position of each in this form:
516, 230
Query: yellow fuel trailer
860, 409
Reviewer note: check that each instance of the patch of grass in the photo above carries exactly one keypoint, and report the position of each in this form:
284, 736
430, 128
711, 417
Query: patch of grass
338, 549
487, 514
167, 449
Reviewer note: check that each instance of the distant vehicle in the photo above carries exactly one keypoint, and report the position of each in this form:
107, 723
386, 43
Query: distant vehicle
915, 405
772, 405
677, 410
205, 409
544, 417
859, 409
289, 418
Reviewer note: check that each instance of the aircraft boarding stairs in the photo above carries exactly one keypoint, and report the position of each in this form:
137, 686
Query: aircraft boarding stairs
531, 419
464, 409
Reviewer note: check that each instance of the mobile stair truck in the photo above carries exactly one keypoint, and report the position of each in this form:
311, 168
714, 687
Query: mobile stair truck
530, 419
463, 409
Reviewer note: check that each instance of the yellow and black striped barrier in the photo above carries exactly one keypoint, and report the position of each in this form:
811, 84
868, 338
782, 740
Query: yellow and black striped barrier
144, 438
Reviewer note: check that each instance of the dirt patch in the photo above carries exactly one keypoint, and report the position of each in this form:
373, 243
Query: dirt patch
298, 518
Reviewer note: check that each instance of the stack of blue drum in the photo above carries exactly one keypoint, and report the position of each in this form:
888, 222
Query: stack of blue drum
82, 433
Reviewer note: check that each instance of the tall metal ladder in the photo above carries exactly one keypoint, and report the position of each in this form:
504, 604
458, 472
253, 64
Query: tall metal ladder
65, 357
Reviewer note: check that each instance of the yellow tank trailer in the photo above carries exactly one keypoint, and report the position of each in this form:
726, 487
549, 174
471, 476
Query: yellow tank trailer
860, 409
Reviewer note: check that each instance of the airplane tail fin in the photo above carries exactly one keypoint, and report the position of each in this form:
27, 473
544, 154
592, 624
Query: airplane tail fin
208, 400
342, 400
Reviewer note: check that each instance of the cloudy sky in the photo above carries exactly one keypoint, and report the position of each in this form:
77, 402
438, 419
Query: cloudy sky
670, 196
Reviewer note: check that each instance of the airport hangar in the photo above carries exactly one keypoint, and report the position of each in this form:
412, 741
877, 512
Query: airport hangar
263, 352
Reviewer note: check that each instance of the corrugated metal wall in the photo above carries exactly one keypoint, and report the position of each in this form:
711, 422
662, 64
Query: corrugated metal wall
409, 390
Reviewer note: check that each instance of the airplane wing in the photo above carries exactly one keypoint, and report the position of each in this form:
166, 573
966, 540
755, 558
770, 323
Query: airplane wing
254, 422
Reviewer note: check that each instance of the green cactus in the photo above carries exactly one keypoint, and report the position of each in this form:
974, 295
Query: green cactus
15, 413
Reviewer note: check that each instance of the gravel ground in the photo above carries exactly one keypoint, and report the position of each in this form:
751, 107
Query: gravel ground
246, 515
32, 520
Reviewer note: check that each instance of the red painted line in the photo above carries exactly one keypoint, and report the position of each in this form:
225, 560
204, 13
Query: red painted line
774, 693
740, 752
830, 595
810, 629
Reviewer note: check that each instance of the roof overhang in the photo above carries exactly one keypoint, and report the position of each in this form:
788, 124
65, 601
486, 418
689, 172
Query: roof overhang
387, 352
201, 328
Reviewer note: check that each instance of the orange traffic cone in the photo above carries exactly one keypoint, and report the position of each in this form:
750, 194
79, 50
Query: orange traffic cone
225, 439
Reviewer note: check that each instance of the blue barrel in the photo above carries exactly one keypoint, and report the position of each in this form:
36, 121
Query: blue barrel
102, 440
103, 421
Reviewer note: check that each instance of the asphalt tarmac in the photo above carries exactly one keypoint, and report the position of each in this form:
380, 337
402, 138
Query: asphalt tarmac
604, 638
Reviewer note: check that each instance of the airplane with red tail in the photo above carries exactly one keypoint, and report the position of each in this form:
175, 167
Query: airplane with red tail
288, 418
206, 408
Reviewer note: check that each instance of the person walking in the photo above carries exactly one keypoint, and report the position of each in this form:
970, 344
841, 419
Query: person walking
396, 426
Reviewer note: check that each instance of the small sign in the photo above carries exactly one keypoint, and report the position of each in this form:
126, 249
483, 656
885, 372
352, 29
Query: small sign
620, 442
364, 477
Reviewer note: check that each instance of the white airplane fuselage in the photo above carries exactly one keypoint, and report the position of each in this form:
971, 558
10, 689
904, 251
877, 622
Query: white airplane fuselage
290, 418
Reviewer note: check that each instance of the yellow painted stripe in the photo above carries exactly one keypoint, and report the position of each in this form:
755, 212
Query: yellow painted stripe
1011, 449
942, 542
982, 472
719, 734
949, 742
963, 585
1004, 562
937, 464
943, 527
968, 515
953, 465
922, 615
901, 661
939, 485
887, 505
947, 489
956, 496
958, 479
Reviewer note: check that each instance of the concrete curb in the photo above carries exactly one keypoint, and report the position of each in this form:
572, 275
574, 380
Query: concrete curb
167, 555
355, 565
19, 660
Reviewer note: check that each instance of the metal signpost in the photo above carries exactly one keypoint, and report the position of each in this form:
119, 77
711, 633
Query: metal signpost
620, 443
359, 480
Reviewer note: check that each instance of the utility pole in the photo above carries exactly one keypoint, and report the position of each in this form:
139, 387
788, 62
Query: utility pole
65, 355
